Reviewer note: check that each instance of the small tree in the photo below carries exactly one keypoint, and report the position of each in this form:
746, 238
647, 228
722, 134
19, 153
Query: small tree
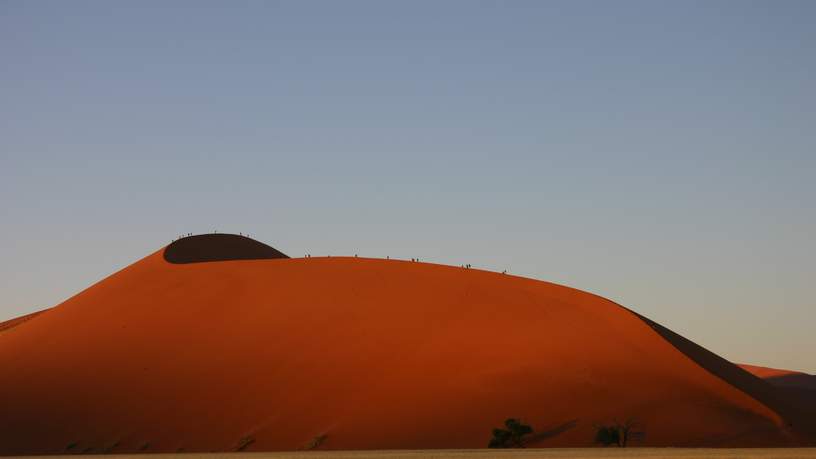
501, 439
512, 436
617, 433
607, 435
628, 432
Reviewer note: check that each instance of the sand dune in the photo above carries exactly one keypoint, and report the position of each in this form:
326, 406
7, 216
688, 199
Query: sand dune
265, 353
796, 392
779, 377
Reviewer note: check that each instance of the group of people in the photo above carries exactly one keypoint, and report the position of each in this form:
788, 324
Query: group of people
214, 232
182, 237
414, 260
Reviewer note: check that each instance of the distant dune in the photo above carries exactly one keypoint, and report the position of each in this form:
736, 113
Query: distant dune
197, 348
796, 392
773, 375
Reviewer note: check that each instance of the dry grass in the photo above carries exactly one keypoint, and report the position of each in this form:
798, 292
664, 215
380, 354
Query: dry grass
550, 453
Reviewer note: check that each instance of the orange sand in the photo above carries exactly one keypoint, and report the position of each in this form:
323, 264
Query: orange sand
372, 353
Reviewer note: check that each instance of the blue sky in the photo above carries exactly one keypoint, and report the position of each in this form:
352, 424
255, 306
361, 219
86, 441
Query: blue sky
661, 154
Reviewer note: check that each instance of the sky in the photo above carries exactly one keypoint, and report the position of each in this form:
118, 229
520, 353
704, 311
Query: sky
660, 154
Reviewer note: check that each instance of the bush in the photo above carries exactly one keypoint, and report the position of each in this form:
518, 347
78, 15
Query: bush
618, 433
607, 435
512, 436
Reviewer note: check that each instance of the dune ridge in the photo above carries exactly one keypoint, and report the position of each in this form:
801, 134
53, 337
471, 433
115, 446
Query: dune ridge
357, 353
11, 323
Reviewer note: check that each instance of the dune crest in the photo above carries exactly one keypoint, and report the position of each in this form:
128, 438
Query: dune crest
10, 324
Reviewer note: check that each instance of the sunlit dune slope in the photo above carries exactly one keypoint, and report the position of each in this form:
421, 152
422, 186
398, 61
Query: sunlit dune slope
351, 353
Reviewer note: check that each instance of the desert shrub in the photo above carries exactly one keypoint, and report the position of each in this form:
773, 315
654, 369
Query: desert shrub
607, 435
510, 437
501, 439
618, 433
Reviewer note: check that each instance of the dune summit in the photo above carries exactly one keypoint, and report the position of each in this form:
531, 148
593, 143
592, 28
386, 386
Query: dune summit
263, 352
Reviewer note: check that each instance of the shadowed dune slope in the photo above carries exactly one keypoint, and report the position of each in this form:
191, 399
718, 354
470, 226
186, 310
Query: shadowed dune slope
351, 353
218, 247
797, 393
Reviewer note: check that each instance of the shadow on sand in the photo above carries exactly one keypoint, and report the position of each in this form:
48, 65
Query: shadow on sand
537, 437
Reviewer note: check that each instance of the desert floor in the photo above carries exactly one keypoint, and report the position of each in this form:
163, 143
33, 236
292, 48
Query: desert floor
674, 453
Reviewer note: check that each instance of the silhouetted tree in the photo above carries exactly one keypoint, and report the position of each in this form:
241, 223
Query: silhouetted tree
501, 439
628, 431
618, 433
512, 436
607, 435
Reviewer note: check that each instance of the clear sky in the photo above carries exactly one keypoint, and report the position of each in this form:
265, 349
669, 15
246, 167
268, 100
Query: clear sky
661, 154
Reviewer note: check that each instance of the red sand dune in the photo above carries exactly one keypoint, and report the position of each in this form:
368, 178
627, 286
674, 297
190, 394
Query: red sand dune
796, 392
271, 353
